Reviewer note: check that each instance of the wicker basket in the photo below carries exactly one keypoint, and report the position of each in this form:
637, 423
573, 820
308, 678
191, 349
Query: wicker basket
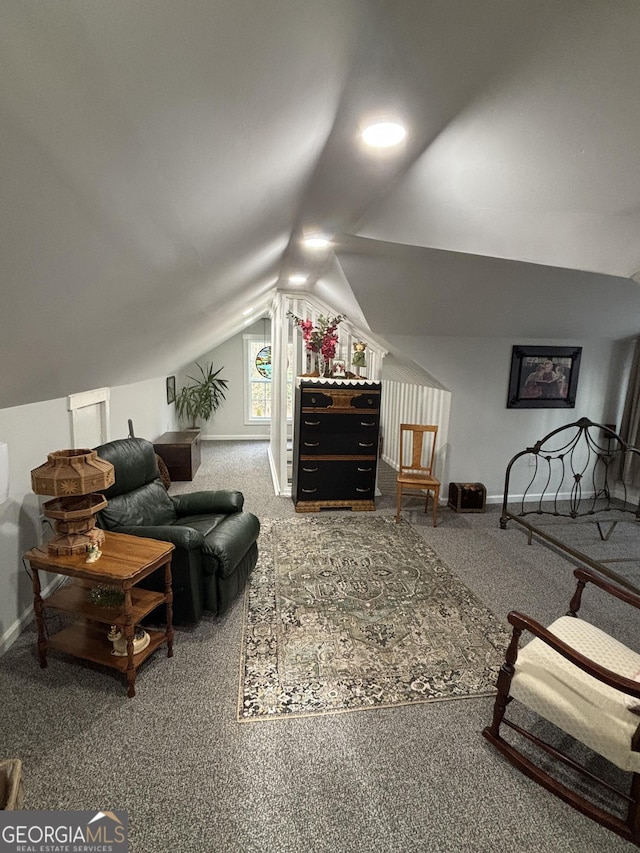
11, 788
163, 471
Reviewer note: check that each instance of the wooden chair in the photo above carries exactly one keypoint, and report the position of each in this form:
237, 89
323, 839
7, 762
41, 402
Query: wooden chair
417, 443
585, 683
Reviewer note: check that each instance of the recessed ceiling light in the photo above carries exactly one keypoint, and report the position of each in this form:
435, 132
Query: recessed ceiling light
317, 241
384, 134
247, 311
298, 278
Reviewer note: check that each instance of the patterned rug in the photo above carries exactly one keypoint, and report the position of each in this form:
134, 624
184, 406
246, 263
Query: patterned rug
344, 614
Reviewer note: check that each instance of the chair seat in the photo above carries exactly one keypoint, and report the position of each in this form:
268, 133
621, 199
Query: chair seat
204, 524
592, 712
419, 480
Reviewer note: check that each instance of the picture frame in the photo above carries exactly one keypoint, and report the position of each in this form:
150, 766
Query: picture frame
171, 389
543, 377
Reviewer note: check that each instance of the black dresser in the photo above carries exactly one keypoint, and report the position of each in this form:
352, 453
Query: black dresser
335, 448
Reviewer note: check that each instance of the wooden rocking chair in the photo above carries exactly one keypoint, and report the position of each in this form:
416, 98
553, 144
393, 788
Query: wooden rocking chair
586, 684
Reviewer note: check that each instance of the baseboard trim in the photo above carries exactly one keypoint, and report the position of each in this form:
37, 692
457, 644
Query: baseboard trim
13, 631
261, 437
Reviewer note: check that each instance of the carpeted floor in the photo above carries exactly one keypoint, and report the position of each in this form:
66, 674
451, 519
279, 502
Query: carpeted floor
412, 778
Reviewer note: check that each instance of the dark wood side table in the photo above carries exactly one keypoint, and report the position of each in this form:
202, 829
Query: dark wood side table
180, 452
125, 561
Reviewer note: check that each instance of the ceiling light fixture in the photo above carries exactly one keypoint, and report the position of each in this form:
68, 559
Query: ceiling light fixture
298, 278
317, 241
384, 134
247, 311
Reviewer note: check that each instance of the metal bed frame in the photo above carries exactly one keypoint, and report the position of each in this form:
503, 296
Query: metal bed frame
577, 472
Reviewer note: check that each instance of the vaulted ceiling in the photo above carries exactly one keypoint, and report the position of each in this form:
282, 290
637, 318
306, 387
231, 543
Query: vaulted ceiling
160, 161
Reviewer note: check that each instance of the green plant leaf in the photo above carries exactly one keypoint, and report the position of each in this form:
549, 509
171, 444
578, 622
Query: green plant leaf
203, 396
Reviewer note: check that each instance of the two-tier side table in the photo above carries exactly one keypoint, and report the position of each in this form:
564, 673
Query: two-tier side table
125, 561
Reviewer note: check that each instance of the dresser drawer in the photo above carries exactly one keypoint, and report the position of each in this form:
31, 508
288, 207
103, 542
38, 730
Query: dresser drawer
312, 399
336, 480
338, 435
343, 400
366, 400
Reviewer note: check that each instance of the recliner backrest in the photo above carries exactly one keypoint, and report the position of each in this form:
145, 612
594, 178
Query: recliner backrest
134, 463
137, 498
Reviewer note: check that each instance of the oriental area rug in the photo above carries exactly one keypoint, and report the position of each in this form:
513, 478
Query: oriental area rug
346, 614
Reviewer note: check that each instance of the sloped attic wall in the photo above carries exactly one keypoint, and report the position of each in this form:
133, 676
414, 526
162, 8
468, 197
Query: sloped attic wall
483, 433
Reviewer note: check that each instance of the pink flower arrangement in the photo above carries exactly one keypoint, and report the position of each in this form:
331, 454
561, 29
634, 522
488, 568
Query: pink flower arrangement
321, 338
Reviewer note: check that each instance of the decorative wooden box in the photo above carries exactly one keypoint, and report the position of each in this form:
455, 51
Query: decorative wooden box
467, 497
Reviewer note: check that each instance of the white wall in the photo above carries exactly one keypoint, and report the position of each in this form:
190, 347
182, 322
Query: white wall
145, 403
31, 432
483, 433
228, 420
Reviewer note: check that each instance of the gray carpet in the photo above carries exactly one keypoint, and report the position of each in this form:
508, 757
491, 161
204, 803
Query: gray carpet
414, 778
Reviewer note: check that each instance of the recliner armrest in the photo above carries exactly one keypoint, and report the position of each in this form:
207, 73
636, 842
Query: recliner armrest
181, 537
221, 501
231, 540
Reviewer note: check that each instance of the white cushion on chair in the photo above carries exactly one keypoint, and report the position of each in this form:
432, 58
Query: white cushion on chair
590, 711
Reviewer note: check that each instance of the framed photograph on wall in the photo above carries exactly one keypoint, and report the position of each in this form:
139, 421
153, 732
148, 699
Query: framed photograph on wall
543, 377
171, 389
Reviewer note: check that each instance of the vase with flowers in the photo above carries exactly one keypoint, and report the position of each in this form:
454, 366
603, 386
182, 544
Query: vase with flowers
320, 340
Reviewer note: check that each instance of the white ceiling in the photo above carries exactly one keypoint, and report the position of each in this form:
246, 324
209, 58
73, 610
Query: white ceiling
159, 161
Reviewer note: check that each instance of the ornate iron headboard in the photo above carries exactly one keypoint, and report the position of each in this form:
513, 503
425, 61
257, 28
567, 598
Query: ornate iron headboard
577, 470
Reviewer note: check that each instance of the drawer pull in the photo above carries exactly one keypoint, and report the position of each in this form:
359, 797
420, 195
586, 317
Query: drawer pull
365, 470
364, 444
308, 491
367, 423
363, 490
311, 443
313, 470
312, 423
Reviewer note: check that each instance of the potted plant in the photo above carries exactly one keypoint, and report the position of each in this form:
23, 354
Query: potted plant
203, 396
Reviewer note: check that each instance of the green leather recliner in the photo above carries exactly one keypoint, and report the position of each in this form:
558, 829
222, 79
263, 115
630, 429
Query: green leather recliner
215, 541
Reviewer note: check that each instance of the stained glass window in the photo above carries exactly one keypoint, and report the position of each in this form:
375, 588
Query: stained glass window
263, 362
259, 375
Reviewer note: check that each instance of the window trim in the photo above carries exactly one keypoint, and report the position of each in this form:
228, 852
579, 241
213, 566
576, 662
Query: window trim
247, 339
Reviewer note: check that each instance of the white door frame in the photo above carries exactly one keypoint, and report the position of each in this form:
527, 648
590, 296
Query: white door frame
98, 397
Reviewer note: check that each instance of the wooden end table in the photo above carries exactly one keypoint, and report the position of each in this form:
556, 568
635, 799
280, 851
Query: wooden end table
125, 561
